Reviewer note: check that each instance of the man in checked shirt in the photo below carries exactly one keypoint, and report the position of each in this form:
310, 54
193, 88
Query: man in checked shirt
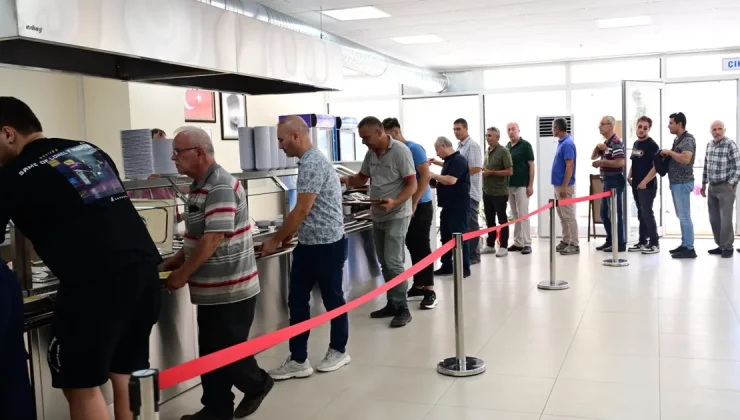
722, 173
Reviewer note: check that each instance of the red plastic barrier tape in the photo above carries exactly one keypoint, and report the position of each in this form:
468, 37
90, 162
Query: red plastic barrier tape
598, 196
470, 235
213, 361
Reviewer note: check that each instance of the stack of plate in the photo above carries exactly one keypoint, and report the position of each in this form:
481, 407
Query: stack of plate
136, 146
162, 154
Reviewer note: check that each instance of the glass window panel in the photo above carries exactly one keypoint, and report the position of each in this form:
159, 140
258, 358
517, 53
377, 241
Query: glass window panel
509, 77
360, 109
366, 86
615, 70
697, 65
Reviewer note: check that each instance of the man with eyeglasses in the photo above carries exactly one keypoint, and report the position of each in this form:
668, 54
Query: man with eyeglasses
218, 262
609, 157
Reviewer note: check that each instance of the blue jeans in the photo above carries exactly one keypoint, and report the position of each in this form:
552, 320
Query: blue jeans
682, 202
610, 182
454, 220
322, 264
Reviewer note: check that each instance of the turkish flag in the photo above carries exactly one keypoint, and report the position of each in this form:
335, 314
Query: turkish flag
199, 105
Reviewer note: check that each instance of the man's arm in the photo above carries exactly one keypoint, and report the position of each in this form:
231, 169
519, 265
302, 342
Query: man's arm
405, 165
445, 179
203, 251
475, 159
596, 154
704, 172
568, 172
302, 208
425, 175
174, 262
734, 164
357, 180
409, 188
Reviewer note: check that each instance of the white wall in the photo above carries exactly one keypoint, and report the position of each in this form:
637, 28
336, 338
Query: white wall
106, 105
265, 109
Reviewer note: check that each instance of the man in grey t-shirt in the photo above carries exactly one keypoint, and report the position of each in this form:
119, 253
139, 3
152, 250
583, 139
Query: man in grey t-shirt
681, 178
390, 168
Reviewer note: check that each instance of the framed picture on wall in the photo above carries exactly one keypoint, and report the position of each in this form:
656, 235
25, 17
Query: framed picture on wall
200, 106
233, 115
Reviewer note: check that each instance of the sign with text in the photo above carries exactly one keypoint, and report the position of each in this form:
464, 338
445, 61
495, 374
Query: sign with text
730, 64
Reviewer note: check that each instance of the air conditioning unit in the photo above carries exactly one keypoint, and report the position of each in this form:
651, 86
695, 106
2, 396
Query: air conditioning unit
547, 145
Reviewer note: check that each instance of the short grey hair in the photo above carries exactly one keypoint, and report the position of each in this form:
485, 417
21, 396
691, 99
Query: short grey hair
611, 120
198, 138
443, 141
495, 131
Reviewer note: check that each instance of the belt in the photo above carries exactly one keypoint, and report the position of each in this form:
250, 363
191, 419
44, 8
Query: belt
715, 183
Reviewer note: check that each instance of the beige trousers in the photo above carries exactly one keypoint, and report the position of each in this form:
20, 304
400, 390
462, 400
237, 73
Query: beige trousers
567, 215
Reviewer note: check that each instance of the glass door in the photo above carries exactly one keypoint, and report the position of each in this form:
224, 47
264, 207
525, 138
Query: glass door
641, 99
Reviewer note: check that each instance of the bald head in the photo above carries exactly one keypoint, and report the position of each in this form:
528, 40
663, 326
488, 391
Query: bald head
195, 137
192, 151
294, 136
718, 130
512, 129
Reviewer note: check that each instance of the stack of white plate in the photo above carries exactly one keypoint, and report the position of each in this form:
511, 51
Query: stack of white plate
136, 146
246, 148
162, 154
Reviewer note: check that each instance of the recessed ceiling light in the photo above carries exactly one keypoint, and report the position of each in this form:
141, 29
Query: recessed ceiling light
624, 22
356, 13
418, 39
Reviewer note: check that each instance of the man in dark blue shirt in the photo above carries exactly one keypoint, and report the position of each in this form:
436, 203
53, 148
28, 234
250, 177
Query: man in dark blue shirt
453, 190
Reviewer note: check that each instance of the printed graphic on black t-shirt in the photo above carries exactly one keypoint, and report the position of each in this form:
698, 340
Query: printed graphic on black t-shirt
642, 155
88, 171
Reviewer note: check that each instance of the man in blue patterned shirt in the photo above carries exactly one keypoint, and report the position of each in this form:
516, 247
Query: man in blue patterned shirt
320, 254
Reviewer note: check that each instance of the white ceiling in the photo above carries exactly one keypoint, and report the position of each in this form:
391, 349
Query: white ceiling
480, 33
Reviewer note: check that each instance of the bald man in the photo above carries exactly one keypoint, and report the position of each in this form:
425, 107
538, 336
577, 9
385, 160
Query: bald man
320, 254
722, 173
521, 187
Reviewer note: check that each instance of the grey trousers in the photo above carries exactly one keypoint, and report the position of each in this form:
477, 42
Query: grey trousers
389, 237
474, 225
519, 203
721, 200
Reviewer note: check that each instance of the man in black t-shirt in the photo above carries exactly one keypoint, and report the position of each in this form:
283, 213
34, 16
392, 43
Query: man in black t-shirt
453, 196
66, 197
644, 186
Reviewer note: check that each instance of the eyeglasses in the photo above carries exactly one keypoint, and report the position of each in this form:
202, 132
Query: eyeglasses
176, 152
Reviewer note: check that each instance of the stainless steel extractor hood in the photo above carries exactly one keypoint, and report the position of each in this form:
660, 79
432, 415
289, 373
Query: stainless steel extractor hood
174, 42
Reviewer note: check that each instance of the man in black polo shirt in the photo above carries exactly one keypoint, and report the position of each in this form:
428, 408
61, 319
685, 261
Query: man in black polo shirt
644, 186
66, 197
453, 196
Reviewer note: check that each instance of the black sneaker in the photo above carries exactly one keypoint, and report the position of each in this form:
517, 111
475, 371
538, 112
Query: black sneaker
387, 312
526, 250
620, 248
442, 273
604, 245
248, 406
474, 262
430, 300
715, 251
727, 253
639, 247
415, 293
403, 317
515, 248
687, 254
651, 249
678, 250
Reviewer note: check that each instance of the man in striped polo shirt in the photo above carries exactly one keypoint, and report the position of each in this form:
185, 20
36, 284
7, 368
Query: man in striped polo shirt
218, 263
610, 159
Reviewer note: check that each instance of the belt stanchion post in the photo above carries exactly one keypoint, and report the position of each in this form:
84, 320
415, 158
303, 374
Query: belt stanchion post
144, 394
553, 284
460, 365
615, 261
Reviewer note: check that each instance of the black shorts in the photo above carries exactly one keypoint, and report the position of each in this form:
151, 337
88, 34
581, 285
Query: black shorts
102, 326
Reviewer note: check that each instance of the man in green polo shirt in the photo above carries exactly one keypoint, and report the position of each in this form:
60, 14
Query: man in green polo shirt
497, 167
521, 187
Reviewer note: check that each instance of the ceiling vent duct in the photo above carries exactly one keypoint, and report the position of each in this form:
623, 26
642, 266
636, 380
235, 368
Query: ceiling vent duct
355, 57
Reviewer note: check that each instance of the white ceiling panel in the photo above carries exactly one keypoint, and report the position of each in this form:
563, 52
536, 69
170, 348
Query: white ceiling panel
493, 32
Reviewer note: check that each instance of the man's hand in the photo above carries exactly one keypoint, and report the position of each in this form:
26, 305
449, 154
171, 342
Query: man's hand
629, 181
170, 264
601, 146
665, 152
176, 280
530, 191
268, 247
387, 204
642, 185
433, 161
597, 163
563, 193
413, 208
704, 190
344, 180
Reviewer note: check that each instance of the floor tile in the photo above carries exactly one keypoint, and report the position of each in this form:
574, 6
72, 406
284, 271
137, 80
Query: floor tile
606, 401
499, 392
697, 373
459, 413
616, 368
695, 404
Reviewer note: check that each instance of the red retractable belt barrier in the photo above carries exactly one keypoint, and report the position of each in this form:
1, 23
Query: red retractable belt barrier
219, 359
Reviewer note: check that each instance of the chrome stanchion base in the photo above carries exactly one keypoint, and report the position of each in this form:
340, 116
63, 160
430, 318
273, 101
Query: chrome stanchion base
619, 262
451, 367
558, 285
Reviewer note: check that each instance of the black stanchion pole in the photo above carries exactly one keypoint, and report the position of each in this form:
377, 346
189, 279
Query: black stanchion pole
553, 284
615, 261
460, 365
144, 394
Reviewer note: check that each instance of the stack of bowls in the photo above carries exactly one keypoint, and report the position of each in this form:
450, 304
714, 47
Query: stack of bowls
136, 146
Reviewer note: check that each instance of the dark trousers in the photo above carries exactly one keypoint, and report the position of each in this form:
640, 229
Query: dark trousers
322, 264
474, 225
648, 227
219, 327
16, 396
610, 182
495, 207
454, 221
418, 242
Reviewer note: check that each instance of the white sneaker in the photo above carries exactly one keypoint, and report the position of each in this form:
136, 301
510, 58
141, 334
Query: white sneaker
488, 250
333, 360
502, 252
292, 369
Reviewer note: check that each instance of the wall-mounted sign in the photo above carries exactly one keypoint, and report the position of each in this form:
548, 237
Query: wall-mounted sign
730, 64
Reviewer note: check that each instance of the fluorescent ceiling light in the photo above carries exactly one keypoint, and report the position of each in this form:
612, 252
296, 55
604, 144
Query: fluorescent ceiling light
356, 13
624, 22
418, 39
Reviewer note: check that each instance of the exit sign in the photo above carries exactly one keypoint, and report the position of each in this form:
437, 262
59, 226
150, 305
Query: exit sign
730, 64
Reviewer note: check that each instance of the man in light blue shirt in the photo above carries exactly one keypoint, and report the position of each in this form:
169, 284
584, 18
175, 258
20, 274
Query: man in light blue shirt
563, 178
417, 237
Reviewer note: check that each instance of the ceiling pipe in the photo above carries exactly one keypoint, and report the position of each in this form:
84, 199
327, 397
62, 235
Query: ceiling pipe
355, 57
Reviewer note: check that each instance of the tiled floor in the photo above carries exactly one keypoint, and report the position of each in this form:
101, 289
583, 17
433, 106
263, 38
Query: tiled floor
659, 339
